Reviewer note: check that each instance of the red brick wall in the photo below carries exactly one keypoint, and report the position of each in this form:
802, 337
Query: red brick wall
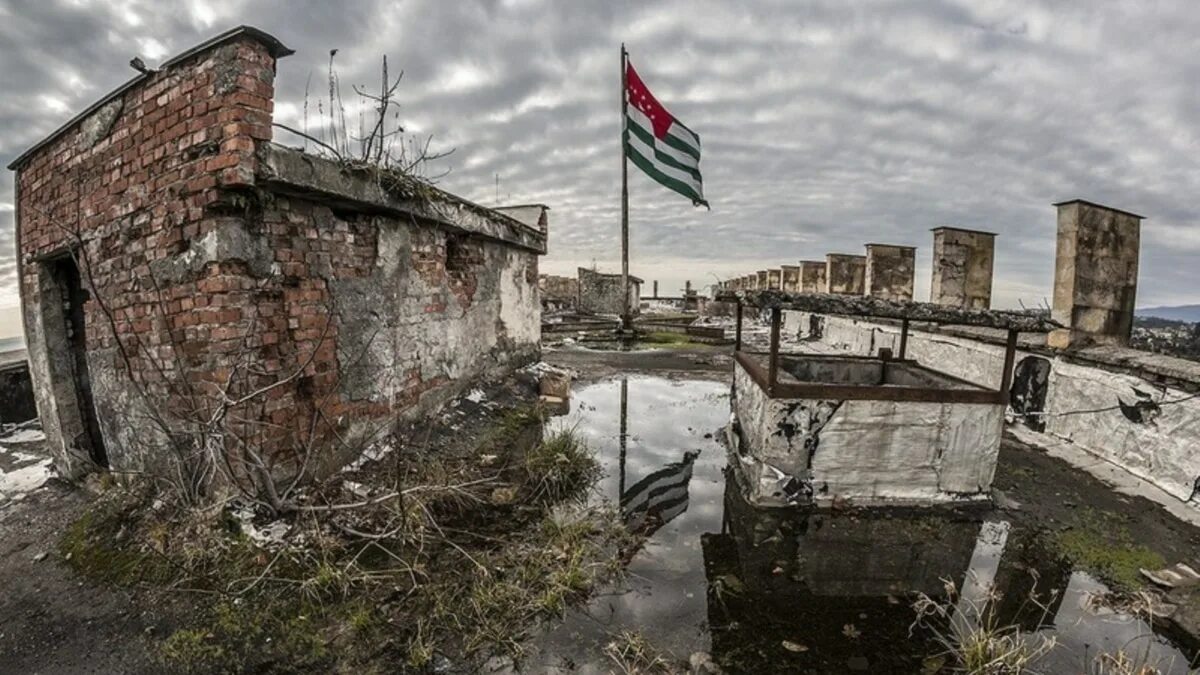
137, 192
176, 174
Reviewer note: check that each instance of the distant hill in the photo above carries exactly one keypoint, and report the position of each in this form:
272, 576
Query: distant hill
1189, 313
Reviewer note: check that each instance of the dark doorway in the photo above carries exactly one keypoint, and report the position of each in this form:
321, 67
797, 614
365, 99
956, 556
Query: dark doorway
66, 279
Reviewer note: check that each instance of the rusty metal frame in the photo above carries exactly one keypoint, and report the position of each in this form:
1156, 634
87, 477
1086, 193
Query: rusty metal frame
767, 378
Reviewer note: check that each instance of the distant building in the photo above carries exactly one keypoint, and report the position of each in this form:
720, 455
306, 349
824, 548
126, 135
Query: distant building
558, 293
601, 293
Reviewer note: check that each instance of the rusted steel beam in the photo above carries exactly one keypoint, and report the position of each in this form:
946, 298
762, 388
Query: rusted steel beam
752, 363
903, 337
860, 392
773, 364
869, 306
1010, 356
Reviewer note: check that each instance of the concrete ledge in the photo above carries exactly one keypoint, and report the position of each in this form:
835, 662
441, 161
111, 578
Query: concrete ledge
1168, 369
292, 171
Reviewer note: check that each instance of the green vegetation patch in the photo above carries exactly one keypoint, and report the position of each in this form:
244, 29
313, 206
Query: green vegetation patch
1103, 546
665, 338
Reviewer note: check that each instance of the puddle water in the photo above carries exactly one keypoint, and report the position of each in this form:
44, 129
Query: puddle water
788, 591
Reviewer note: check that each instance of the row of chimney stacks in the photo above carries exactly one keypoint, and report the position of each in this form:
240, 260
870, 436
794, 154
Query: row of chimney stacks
1095, 273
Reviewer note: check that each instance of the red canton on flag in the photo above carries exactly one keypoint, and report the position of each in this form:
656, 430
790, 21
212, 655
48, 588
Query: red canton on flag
659, 144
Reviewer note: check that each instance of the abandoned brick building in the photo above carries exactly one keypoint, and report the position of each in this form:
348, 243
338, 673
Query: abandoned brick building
177, 268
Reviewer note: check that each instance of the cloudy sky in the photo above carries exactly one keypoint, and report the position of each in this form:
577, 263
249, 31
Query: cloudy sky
825, 124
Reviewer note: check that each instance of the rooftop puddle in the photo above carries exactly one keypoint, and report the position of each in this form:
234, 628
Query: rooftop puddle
772, 591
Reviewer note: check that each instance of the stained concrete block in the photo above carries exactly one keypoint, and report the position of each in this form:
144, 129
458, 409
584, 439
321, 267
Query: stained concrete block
867, 452
890, 271
812, 276
791, 278
1095, 274
962, 267
775, 279
845, 274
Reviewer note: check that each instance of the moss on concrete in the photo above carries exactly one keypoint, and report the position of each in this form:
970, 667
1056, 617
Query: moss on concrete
1103, 546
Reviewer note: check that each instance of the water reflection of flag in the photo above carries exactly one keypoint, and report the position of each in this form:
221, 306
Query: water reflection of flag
658, 498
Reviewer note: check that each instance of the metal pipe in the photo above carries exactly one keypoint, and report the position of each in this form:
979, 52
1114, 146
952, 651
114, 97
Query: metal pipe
773, 364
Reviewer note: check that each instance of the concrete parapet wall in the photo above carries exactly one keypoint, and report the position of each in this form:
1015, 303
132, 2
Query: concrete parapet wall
1136, 411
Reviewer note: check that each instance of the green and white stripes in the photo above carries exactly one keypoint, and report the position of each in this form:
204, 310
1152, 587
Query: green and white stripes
673, 160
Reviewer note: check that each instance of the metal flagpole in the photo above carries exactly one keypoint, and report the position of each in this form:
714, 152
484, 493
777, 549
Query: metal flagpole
626, 316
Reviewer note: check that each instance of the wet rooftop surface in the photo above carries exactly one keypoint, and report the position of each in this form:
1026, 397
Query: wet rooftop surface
760, 591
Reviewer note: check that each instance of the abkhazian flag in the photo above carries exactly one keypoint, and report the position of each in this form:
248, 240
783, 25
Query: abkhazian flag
659, 144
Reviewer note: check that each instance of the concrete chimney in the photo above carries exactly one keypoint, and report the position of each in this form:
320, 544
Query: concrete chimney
844, 273
962, 267
890, 271
1095, 274
656, 288
812, 276
775, 279
791, 278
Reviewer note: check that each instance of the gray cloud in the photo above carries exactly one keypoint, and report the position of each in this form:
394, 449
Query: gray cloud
825, 125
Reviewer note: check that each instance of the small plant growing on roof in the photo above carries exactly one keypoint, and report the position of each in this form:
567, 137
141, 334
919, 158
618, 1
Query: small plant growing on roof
400, 161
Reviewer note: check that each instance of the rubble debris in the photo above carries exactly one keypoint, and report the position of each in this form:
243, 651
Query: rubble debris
1177, 576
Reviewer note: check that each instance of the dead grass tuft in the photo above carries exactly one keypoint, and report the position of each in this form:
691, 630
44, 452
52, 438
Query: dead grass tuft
559, 467
435, 568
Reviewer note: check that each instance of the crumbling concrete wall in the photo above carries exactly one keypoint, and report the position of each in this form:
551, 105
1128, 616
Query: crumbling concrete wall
882, 451
558, 293
845, 274
962, 267
602, 293
861, 451
890, 271
220, 266
1095, 274
1133, 409
812, 276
